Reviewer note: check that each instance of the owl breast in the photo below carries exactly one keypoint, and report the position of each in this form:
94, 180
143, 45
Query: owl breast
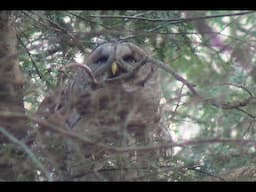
117, 106
126, 98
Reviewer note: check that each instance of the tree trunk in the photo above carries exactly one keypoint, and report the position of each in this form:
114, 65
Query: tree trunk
11, 99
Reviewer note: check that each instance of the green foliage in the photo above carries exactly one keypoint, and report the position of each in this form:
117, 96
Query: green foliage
52, 39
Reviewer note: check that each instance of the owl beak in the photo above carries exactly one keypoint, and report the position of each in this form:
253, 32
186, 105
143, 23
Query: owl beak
114, 68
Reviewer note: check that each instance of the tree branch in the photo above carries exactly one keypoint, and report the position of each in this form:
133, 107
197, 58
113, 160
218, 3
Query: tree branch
33, 62
28, 151
175, 21
175, 75
113, 149
214, 102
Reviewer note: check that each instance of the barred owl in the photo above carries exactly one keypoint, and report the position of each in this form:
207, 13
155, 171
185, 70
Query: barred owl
126, 98
115, 103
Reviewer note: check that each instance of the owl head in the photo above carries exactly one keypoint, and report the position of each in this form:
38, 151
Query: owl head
115, 60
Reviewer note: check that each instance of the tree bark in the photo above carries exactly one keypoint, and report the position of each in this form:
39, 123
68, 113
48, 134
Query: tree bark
11, 99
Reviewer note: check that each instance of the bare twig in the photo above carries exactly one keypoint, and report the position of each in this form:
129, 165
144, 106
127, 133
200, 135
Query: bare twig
214, 102
243, 111
194, 168
28, 151
228, 105
168, 20
175, 75
130, 73
177, 105
33, 62
85, 67
187, 143
81, 138
238, 86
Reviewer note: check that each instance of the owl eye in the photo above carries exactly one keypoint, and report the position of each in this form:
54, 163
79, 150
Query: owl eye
102, 60
129, 59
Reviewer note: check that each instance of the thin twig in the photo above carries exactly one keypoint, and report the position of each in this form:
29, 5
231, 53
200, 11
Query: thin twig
33, 62
187, 143
169, 20
243, 111
84, 139
205, 172
214, 102
28, 151
177, 104
238, 86
175, 75
85, 67
130, 73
